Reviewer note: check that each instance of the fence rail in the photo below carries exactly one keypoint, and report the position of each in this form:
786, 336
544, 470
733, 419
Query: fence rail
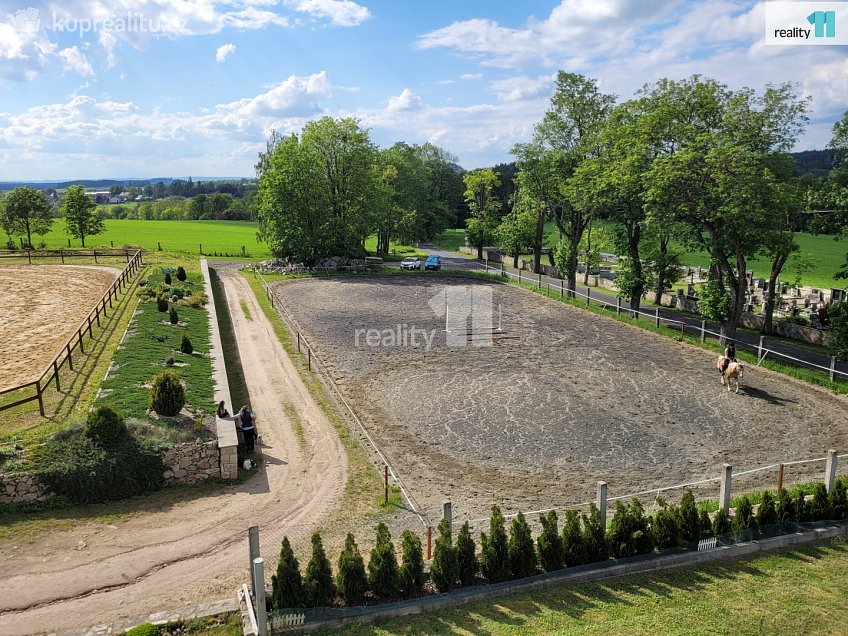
95, 253
702, 331
51, 371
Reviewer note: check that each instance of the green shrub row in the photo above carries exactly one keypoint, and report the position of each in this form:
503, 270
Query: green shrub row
512, 555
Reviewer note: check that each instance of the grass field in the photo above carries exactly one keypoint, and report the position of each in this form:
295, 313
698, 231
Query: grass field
794, 592
825, 254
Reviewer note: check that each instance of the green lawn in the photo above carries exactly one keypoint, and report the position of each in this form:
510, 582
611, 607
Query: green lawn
223, 237
800, 591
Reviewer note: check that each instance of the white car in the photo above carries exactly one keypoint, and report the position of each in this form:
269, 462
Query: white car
410, 262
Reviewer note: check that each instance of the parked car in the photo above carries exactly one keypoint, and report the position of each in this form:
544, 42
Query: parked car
411, 262
433, 262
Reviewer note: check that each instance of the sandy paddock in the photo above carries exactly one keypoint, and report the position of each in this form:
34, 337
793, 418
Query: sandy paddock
41, 306
535, 421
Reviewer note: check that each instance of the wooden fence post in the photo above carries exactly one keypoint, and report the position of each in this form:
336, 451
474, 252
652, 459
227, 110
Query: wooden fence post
56, 372
779, 478
70, 360
79, 335
40, 399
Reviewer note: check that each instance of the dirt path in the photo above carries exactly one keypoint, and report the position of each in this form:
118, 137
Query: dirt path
195, 551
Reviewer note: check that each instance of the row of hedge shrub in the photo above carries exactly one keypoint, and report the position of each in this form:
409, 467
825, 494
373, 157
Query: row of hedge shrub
505, 556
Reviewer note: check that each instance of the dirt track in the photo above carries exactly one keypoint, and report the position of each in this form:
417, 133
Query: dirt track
42, 306
571, 398
196, 550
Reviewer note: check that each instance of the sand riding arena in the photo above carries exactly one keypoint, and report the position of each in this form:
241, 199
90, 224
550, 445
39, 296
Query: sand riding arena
560, 399
42, 306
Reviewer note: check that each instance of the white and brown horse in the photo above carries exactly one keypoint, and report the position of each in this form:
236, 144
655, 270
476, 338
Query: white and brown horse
734, 371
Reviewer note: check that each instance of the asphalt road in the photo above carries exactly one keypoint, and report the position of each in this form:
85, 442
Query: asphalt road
744, 339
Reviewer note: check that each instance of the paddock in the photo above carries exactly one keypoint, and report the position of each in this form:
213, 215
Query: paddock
560, 399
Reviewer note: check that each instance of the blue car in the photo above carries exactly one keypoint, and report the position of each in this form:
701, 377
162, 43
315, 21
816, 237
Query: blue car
433, 262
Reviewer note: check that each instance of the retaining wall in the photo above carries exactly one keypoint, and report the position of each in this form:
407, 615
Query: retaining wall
19, 487
191, 462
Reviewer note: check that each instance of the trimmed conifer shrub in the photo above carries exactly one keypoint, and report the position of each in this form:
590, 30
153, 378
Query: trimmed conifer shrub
173, 318
167, 278
185, 344
785, 508
287, 583
594, 542
411, 565
443, 571
161, 304
705, 524
690, 522
467, 565
351, 578
819, 507
767, 513
522, 554
744, 518
665, 526
104, 425
167, 395
799, 503
629, 533
839, 499
318, 580
181, 273
721, 523
383, 577
549, 543
573, 547
494, 554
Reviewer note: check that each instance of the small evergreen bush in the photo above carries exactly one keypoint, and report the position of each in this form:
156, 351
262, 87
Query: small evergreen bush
744, 518
801, 507
287, 583
172, 315
167, 395
629, 533
169, 361
167, 278
573, 548
494, 555
819, 508
705, 525
351, 578
383, 577
549, 543
721, 523
161, 304
185, 344
412, 564
443, 571
522, 553
466, 557
665, 526
593, 539
104, 425
318, 581
690, 522
785, 507
181, 273
839, 499
767, 513
145, 629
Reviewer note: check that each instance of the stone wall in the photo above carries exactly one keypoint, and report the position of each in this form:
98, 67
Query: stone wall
191, 462
18, 487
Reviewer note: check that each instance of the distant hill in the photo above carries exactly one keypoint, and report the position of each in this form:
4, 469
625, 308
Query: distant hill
817, 162
108, 183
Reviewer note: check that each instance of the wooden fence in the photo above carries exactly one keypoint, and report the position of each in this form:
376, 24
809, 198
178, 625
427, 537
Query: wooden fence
51, 372
61, 254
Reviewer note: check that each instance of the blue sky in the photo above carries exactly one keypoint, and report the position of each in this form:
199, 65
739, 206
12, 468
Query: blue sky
192, 87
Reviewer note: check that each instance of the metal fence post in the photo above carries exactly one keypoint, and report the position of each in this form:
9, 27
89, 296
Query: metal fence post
540, 279
830, 470
618, 305
253, 549
657, 312
724, 491
602, 503
487, 265
561, 287
588, 295
832, 367
261, 610
703, 331
760, 349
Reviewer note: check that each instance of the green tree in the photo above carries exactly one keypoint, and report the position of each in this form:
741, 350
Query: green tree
412, 564
352, 580
629, 533
466, 557
517, 229
287, 583
443, 571
539, 186
690, 523
494, 554
573, 547
592, 539
549, 543
26, 211
522, 554
383, 577
318, 580
665, 526
479, 185
80, 212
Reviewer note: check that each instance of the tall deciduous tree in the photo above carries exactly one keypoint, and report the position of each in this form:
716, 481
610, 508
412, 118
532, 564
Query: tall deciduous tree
80, 212
479, 185
26, 211
517, 230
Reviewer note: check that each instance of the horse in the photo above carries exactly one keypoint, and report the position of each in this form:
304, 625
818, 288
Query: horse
734, 371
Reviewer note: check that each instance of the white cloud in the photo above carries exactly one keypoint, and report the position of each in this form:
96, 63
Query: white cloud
523, 88
74, 60
343, 13
407, 100
223, 51
470, 76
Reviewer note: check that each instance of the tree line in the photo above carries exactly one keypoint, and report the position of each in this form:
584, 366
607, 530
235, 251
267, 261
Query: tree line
684, 162
324, 191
